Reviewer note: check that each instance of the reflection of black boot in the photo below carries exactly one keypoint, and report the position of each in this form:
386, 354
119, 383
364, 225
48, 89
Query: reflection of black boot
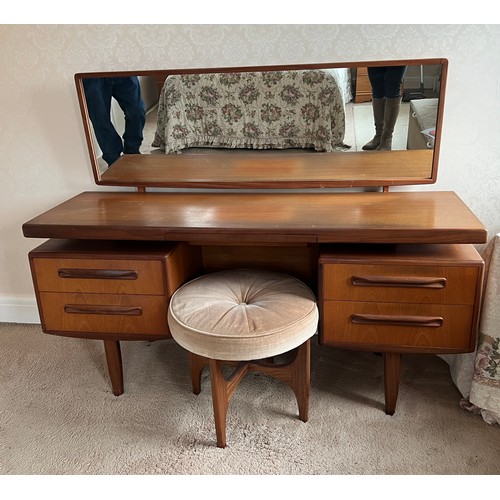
110, 158
131, 143
391, 112
378, 105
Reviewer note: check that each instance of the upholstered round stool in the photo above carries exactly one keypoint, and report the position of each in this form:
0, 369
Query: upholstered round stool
242, 316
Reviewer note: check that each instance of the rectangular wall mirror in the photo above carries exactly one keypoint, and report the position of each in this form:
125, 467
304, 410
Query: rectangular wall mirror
288, 126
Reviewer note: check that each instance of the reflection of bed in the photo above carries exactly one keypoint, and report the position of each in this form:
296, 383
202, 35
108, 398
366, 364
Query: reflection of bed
254, 110
422, 123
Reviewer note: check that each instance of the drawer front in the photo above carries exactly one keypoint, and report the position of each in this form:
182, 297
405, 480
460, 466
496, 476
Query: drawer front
412, 284
104, 313
99, 276
369, 324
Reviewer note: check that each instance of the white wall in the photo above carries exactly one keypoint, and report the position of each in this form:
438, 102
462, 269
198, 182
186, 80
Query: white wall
43, 156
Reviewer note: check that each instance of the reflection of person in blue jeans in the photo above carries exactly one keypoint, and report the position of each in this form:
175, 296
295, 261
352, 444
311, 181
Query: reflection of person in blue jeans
127, 92
386, 84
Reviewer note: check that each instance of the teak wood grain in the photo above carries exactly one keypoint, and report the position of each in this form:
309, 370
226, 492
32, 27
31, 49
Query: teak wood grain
244, 218
262, 170
272, 229
400, 298
109, 290
403, 287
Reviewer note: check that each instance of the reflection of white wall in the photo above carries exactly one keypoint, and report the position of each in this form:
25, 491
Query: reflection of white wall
117, 117
431, 74
149, 91
43, 153
98, 150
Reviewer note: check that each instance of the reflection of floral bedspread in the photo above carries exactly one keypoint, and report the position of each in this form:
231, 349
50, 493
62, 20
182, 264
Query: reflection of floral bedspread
274, 109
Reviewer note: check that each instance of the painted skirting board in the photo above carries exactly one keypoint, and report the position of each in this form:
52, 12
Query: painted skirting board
18, 309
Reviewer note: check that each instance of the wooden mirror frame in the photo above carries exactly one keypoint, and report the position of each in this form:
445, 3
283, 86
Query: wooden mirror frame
282, 170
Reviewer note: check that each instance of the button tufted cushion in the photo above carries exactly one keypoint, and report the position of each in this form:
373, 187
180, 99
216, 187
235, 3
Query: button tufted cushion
240, 315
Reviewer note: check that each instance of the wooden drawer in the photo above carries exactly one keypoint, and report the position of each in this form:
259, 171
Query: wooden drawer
363, 86
99, 275
404, 327
396, 283
109, 290
423, 298
104, 313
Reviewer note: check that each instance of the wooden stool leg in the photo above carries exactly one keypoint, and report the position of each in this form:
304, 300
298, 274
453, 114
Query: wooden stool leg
115, 367
222, 390
296, 373
301, 379
392, 370
220, 401
196, 364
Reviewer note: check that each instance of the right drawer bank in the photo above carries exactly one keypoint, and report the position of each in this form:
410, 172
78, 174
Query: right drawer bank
400, 298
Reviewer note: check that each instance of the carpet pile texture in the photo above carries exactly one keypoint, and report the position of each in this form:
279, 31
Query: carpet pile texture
58, 415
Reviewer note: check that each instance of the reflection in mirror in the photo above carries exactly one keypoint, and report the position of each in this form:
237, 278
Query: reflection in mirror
125, 91
351, 109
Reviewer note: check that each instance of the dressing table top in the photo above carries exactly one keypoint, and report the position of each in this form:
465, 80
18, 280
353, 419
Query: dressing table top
273, 218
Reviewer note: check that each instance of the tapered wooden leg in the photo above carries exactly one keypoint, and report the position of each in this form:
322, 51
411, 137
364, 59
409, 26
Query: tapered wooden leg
296, 373
220, 401
196, 364
222, 390
115, 367
392, 370
301, 385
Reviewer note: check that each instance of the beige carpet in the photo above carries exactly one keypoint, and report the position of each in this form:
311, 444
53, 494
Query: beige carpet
59, 416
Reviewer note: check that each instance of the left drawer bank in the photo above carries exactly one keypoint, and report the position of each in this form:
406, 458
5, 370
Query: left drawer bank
109, 290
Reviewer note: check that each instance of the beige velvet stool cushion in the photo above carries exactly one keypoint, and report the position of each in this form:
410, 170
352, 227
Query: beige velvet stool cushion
242, 315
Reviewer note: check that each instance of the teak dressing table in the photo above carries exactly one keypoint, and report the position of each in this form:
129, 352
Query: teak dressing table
394, 272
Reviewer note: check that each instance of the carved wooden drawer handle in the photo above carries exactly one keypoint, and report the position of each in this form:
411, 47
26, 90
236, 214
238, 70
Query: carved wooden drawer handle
401, 281
100, 274
97, 309
382, 319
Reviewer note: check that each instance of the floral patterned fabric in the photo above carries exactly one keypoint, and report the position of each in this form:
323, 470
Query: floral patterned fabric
255, 110
485, 388
477, 374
